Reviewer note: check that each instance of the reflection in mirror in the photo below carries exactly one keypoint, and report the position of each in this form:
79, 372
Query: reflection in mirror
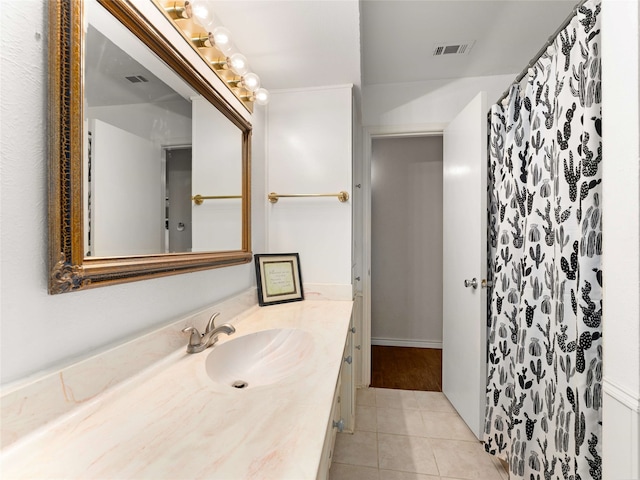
152, 143
149, 170
216, 148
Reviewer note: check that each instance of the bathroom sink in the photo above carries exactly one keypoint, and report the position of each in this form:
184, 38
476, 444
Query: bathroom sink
257, 359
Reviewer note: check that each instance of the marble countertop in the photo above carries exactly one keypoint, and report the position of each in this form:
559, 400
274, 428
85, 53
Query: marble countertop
172, 421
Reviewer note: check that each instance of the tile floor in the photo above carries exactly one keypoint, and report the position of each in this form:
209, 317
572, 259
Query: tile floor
410, 435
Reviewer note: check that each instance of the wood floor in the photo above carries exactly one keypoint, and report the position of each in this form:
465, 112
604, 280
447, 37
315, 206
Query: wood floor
406, 368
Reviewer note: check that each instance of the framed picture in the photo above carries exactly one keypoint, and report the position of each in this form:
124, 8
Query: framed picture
278, 278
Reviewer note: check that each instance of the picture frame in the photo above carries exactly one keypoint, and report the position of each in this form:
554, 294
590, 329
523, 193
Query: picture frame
278, 278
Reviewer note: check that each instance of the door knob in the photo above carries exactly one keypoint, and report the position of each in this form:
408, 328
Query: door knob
471, 283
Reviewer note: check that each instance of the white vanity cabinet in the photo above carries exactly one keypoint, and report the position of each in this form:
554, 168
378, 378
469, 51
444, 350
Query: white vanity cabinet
343, 408
89, 444
347, 389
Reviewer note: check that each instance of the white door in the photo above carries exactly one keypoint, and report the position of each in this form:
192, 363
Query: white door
465, 258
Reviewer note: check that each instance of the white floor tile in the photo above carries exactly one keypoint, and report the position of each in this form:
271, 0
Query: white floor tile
341, 471
359, 448
400, 422
465, 460
434, 402
395, 475
446, 425
389, 398
366, 397
366, 419
407, 454
410, 435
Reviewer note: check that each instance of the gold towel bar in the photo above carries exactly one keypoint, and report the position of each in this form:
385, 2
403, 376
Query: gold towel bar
198, 199
342, 196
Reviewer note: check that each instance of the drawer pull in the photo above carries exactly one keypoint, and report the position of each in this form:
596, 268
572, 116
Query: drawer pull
339, 425
348, 359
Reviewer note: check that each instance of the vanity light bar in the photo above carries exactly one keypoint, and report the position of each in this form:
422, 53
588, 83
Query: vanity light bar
195, 21
178, 9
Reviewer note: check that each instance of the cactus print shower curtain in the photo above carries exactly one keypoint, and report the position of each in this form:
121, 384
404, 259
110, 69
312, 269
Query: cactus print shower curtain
544, 373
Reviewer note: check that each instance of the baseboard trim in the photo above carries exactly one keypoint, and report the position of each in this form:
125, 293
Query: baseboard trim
622, 395
398, 342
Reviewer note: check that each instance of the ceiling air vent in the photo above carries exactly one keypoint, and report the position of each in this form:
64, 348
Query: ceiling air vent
452, 48
137, 79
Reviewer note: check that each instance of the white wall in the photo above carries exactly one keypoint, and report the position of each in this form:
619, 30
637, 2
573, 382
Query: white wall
309, 151
39, 331
621, 237
217, 170
424, 103
406, 238
127, 215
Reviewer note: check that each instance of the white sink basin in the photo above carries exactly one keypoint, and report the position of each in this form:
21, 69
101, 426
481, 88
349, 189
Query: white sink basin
260, 358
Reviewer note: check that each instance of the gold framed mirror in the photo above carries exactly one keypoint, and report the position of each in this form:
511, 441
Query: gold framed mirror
98, 232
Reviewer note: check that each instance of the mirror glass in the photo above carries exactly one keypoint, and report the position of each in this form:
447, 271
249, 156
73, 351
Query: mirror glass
152, 144
149, 172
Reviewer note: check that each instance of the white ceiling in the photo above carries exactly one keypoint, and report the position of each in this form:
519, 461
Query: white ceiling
296, 43
303, 43
107, 67
307, 43
398, 37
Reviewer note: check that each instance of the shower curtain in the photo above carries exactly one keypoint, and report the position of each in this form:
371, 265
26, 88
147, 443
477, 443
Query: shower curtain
544, 372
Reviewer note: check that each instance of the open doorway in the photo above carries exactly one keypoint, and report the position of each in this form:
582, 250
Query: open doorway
178, 221
406, 262
464, 256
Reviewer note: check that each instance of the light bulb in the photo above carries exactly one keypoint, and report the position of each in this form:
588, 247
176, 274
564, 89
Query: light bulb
202, 13
261, 96
222, 40
238, 64
251, 82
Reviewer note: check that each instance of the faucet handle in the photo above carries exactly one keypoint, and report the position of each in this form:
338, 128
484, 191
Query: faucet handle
195, 338
211, 324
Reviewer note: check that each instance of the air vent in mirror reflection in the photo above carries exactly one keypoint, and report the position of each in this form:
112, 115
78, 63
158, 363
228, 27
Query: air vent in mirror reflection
136, 79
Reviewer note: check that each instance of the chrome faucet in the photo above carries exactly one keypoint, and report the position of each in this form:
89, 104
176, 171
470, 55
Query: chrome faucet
199, 342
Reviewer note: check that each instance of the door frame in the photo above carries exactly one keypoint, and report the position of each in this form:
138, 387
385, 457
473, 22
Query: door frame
163, 181
368, 134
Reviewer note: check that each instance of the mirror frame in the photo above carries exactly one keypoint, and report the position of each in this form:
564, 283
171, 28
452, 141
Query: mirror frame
69, 269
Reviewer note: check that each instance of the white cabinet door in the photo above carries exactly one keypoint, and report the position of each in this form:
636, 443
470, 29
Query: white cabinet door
465, 258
